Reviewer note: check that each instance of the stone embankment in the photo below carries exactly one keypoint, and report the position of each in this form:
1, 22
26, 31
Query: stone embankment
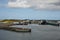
2, 25
6, 26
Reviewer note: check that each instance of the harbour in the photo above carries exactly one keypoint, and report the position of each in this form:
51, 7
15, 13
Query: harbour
39, 32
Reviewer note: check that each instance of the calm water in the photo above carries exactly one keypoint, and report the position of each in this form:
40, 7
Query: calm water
39, 32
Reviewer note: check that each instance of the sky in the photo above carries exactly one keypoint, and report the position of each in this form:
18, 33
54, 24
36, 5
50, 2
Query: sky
30, 9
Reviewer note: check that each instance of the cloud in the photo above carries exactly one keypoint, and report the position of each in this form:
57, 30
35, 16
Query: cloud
46, 4
37, 4
18, 3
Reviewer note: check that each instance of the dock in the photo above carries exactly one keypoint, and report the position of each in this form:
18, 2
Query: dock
5, 26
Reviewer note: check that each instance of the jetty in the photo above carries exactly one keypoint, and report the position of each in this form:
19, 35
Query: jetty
6, 26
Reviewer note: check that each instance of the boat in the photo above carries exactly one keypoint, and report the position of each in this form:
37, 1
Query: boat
18, 29
23, 23
43, 22
23, 30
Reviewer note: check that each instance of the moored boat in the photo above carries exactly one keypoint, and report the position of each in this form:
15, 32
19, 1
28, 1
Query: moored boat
23, 30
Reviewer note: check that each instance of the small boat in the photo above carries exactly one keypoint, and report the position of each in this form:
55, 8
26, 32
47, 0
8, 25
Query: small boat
23, 23
23, 30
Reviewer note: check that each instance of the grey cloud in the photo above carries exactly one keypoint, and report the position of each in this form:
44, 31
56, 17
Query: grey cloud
57, 4
45, 4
